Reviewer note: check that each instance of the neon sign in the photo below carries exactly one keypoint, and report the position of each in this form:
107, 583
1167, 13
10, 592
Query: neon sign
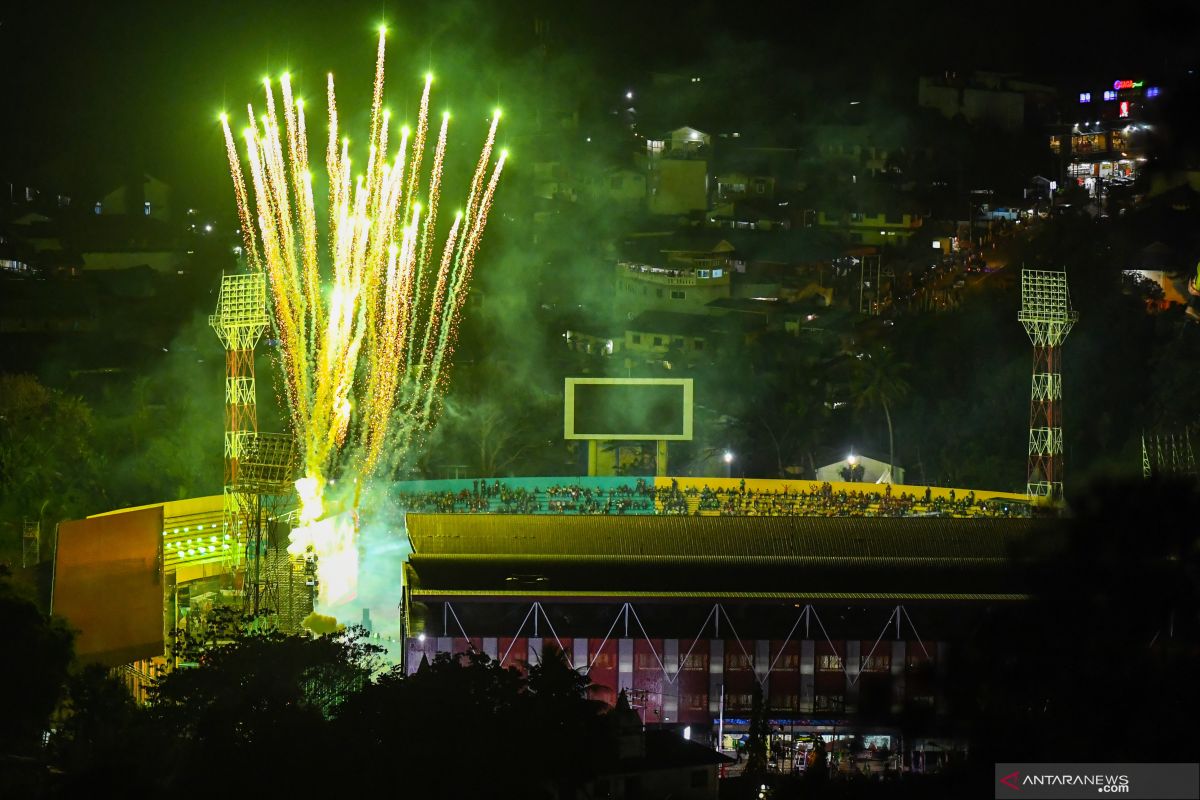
1128, 84
1124, 108
1110, 94
1085, 97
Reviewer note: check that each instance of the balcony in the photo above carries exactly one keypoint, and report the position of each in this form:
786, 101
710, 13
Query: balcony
707, 271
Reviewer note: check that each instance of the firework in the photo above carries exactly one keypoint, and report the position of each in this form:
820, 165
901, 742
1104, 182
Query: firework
367, 322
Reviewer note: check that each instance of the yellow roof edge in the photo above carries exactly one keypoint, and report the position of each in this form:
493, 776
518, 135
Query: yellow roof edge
418, 592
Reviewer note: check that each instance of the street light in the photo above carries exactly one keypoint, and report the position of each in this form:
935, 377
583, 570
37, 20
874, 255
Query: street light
728, 457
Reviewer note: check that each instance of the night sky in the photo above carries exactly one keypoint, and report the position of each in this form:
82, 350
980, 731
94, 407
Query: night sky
94, 90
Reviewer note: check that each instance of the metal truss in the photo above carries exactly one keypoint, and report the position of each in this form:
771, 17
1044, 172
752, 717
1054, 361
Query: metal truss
1047, 317
1168, 455
807, 615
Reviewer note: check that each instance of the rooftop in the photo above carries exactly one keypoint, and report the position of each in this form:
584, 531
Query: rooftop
696, 557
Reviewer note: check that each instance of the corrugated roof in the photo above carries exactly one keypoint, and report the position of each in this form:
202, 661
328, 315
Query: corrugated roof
690, 557
727, 537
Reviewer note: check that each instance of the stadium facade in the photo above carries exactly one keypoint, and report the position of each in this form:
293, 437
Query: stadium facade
837, 600
842, 621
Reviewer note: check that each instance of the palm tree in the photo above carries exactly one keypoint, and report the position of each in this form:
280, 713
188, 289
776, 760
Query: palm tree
879, 381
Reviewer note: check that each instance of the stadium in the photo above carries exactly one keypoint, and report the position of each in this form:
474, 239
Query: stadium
832, 600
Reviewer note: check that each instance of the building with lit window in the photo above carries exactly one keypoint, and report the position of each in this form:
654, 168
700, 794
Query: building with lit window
674, 286
677, 172
873, 227
1105, 138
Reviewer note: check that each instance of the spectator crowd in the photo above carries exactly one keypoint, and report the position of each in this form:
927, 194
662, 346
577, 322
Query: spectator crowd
642, 497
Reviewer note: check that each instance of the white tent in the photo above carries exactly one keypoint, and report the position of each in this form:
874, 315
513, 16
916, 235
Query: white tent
875, 470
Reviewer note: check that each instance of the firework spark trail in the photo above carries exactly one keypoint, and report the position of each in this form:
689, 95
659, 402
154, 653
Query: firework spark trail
477, 181
414, 177
239, 191
377, 92
458, 294
311, 264
427, 237
422, 401
284, 316
373, 345
411, 193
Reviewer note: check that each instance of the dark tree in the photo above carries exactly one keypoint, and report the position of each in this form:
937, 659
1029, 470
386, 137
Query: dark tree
33, 671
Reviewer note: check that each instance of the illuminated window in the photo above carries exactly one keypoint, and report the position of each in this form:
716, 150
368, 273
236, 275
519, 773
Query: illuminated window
1088, 143
829, 663
146, 208
876, 663
740, 661
695, 662
1110, 95
98, 208
1153, 91
1056, 144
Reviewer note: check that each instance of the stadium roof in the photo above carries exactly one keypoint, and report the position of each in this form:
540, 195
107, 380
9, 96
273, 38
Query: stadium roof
691, 557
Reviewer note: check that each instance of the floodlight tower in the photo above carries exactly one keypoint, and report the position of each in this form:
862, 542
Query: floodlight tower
1047, 317
240, 320
266, 466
